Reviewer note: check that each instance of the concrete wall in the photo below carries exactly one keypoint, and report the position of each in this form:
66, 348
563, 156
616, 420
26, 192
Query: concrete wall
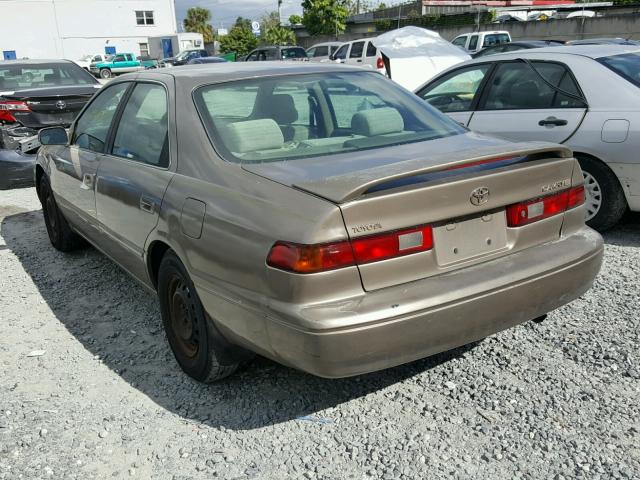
72, 28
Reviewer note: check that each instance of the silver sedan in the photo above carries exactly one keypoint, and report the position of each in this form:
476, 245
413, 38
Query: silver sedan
585, 97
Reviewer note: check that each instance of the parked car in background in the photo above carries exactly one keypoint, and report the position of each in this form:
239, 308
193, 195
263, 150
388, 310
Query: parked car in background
474, 42
35, 94
322, 51
506, 18
148, 62
277, 53
183, 57
585, 97
514, 46
86, 61
116, 65
361, 53
539, 17
582, 14
201, 60
604, 41
320, 215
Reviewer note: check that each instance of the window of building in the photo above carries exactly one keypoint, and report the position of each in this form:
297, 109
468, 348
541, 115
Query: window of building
144, 49
144, 17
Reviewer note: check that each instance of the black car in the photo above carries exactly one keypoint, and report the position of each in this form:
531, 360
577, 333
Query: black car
201, 60
35, 94
183, 58
604, 41
513, 46
277, 53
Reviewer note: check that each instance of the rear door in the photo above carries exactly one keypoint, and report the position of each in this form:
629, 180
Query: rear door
356, 54
135, 172
457, 92
521, 103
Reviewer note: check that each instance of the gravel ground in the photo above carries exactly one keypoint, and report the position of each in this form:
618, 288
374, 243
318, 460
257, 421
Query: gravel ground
552, 400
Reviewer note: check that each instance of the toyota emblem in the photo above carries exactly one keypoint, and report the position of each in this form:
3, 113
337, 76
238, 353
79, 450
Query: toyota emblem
479, 196
61, 105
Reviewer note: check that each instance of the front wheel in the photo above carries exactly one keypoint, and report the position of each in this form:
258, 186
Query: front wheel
200, 350
605, 202
60, 234
105, 73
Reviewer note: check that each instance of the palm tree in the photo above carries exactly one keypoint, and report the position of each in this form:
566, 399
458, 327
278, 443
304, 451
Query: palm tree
197, 21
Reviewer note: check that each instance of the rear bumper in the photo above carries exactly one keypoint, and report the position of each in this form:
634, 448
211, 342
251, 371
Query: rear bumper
397, 325
16, 169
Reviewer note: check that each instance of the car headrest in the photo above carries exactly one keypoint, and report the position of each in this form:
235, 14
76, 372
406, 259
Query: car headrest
50, 77
283, 109
253, 135
377, 121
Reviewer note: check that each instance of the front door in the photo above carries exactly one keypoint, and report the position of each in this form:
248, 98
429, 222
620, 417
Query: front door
133, 176
73, 178
535, 101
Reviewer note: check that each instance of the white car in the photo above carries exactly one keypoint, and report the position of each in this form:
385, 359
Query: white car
322, 51
586, 97
86, 61
474, 42
361, 53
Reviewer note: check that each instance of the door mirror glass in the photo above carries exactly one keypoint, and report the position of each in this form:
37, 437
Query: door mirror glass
53, 136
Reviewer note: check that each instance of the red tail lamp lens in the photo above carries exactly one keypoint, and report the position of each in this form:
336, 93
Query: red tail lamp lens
394, 244
7, 107
531, 211
379, 63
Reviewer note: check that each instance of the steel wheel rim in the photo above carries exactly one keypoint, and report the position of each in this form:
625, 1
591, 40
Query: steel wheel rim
184, 323
593, 192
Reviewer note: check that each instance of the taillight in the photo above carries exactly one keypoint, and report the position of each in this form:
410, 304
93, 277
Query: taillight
379, 63
7, 107
531, 211
330, 256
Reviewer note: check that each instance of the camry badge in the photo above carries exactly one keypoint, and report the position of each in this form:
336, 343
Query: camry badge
61, 105
479, 196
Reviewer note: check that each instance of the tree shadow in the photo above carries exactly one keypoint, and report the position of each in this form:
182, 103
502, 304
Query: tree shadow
626, 233
118, 321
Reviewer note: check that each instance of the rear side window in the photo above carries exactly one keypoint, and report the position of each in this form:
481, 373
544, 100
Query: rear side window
356, 50
495, 39
372, 51
341, 54
626, 65
142, 134
295, 52
91, 129
516, 85
119, 58
321, 52
473, 43
455, 92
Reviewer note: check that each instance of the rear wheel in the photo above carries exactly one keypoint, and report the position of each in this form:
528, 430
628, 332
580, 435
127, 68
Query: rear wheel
105, 73
605, 202
199, 348
60, 234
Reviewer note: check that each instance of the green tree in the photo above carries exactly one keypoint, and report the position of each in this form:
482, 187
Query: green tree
280, 36
295, 20
357, 6
324, 17
269, 21
243, 22
240, 39
197, 21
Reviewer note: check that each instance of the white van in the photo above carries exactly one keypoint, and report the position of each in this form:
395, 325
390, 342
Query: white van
362, 53
474, 42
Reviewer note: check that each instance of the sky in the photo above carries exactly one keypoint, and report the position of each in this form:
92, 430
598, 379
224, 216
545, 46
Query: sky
225, 12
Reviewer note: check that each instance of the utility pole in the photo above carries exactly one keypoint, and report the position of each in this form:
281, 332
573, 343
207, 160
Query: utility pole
279, 12
357, 7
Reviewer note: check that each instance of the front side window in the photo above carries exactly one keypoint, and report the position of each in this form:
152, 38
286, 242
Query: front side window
119, 58
341, 54
460, 41
473, 43
310, 115
295, 52
252, 57
356, 50
626, 65
142, 134
455, 92
321, 52
144, 17
518, 85
495, 39
91, 129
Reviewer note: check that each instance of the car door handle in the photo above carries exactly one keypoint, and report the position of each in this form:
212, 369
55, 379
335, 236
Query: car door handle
359, 60
88, 181
147, 204
558, 122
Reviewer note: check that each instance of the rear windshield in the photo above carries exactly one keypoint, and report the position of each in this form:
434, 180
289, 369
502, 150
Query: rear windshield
626, 65
17, 76
495, 39
298, 116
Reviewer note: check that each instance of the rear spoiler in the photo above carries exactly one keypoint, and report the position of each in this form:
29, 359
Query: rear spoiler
349, 186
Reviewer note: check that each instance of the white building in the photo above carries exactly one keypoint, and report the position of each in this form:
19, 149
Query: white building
73, 28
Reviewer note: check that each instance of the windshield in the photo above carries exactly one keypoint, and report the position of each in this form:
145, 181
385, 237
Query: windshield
183, 55
298, 116
86, 58
626, 65
24, 76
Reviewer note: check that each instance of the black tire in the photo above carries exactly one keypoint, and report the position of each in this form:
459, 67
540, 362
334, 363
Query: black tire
105, 73
198, 347
603, 185
60, 234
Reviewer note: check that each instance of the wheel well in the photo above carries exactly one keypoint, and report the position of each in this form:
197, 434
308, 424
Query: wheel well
157, 249
39, 174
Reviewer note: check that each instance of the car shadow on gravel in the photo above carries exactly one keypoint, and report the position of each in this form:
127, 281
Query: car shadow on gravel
118, 322
626, 233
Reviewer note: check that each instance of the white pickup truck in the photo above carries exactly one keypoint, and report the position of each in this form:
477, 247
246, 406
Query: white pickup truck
86, 61
474, 42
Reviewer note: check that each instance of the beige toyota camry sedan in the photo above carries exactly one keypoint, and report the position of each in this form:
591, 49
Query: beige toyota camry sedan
316, 214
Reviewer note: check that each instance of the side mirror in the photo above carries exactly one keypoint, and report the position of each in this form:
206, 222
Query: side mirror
53, 136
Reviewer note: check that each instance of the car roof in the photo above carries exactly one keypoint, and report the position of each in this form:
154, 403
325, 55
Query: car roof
590, 51
4, 63
329, 44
